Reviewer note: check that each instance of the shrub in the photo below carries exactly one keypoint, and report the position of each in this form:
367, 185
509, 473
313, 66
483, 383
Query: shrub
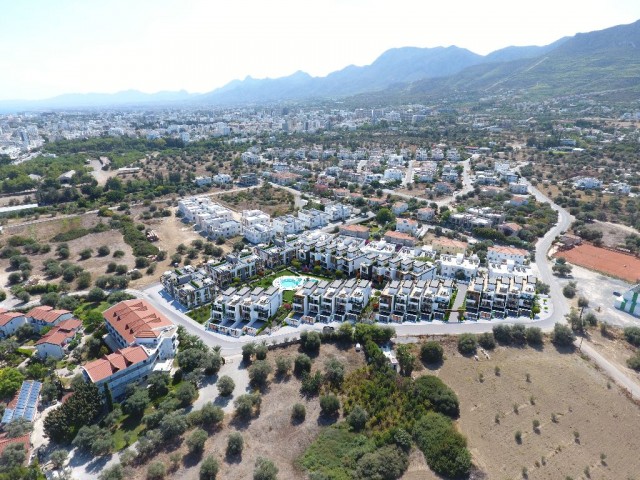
334, 371
634, 361
467, 344
632, 335
534, 336
86, 253
569, 290
261, 352
103, 251
302, 365
246, 405
265, 470
487, 341
444, 448
226, 385
298, 412
283, 366
431, 352
311, 384
329, 404
430, 390
502, 333
235, 444
388, 462
248, 349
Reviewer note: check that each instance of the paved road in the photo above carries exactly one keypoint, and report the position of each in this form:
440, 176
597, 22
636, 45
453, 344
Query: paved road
408, 177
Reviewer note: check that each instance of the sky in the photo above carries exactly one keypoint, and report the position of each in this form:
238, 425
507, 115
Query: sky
49, 48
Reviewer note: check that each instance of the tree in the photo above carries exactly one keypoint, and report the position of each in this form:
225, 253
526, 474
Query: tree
388, 462
158, 384
302, 365
173, 425
345, 332
58, 457
13, 456
334, 371
259, 373
136, 403
467, 344
561, 267
156, 471
209, 468
115, 472
311, 383
569, 290
103, 251
632, 335
226, 385
329, 404
10, 381
406, 359
211, 415
634, 361
310, 341
196, 441
431, 352
248, 349
357, 418
430, 390
265, 470
86, 253
235, 444
93, 439
502, 333
384, 216
534, 336
96, 295
186, 393
563, 336
18, 428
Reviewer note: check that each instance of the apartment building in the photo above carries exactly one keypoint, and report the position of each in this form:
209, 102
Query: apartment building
46, 316
500, 297
287, 225
282, 253
337, 211
508, 269
458, 266
143, 340
243, 311
242, 266
331, 301
313, 218
190, 287
331, 252
213, 219
415, 300
500, 254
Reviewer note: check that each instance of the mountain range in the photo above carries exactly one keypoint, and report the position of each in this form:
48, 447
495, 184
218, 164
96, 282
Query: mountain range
601, 61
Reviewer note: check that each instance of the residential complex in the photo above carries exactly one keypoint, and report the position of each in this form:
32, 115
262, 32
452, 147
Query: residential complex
415, 300
330, 301
500, 297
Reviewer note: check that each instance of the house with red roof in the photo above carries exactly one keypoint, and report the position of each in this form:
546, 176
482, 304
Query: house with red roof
118, 369
46, 316
56, 341
10, 322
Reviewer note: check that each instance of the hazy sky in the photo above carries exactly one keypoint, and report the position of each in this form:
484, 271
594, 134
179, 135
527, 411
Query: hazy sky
49, 47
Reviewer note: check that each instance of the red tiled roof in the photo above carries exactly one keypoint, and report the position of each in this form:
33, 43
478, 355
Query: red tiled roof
6, 317
114, 362
59, 334
70, 324
398, 236
46, 314
136, 319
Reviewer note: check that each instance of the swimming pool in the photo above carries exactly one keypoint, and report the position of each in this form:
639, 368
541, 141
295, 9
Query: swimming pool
290, 283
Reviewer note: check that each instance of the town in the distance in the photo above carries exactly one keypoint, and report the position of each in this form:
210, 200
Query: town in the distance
407, 284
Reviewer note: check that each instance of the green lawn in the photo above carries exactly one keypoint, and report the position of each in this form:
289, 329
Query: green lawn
287, 296
200, 314
265, 282
127, 426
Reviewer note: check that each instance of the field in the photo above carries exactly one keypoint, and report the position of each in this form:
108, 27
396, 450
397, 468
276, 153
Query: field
271, 200
620, 265
564, 384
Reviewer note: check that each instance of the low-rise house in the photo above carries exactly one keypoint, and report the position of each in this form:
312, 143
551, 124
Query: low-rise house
508, 269
518, 200
46, 316
400, 238
520, 188
509, 229
448, 245
357, 231
406, 225
258, 233
337, 211
425, 214
202, 181
287, 225
398, 208
587, 183
393, 175
10, 322
56, 341
117, 370
221, 179
442, 188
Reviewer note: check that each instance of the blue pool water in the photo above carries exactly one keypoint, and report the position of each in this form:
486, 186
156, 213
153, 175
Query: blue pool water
289, 283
